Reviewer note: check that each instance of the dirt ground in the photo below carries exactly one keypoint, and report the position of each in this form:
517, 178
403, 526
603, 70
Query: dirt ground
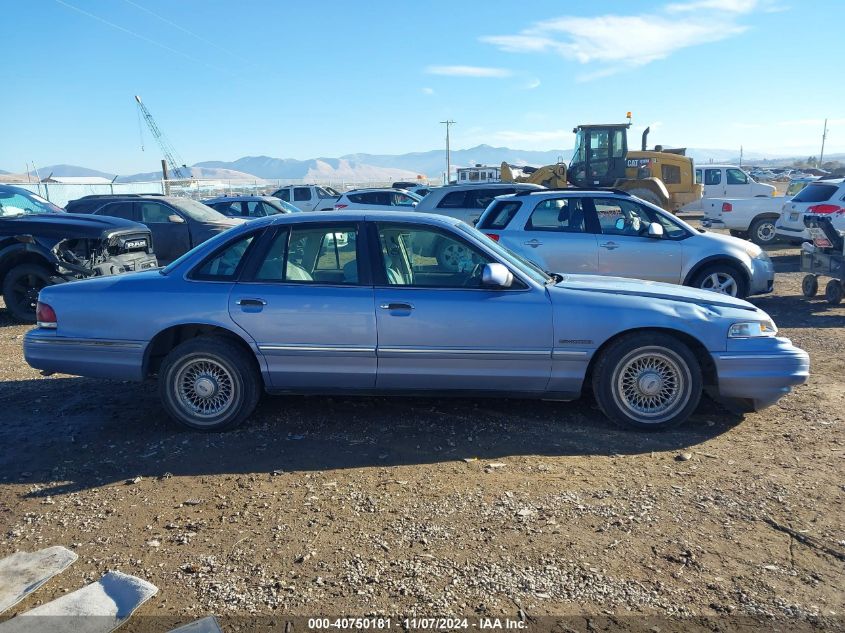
471, 507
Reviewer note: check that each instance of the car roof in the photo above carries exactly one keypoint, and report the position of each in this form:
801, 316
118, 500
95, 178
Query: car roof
488, 185
359, 215
240, 199
368, 189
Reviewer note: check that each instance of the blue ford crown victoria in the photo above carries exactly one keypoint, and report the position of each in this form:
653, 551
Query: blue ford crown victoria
347, 303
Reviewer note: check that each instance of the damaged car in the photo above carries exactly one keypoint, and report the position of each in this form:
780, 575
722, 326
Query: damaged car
42, 245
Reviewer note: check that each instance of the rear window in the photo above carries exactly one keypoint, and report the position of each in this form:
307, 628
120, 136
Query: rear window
452, 200
499, 215
815, 192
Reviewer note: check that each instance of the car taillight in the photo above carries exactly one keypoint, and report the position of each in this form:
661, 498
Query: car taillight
340, 206
726, 207
492, 236
45, 316
824, 209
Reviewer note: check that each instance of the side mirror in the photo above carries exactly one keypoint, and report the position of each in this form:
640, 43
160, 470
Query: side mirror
176, 219
496, 275
655, 229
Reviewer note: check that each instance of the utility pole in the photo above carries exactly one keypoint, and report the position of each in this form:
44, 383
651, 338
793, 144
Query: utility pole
448, 123
824, 136
740, 155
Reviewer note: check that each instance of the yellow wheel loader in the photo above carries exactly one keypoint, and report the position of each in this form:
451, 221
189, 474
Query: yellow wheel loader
664, 177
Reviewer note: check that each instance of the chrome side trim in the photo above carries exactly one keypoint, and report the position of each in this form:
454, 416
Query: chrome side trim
454, 350
86, 342
757, 356
561, 354
316, 348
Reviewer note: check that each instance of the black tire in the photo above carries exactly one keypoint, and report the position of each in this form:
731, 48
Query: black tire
762, 231
715, 275
740, 234
209, 372
21, 287
833, 292
629, 371
810, 286
649, 196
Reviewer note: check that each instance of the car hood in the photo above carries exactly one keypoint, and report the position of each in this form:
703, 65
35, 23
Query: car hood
64, 225
651, 290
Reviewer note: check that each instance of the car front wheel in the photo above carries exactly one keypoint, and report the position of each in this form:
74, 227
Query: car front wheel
209, 384
647, 381
21, 287
722, 278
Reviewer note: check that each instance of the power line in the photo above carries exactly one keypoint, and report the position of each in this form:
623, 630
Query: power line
141, 37
185, 30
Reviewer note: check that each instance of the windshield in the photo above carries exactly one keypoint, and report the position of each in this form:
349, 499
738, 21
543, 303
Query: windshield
327, 192
281, 206
197, 210
15, 202
526, 267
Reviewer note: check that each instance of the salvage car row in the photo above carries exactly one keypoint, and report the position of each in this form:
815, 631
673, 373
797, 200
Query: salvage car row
426, 303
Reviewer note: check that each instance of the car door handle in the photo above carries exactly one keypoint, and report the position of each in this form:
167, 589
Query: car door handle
251, 302
609, 245
396, 306
534, 243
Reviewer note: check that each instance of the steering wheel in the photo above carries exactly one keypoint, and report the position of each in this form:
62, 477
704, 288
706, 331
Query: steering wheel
474, 277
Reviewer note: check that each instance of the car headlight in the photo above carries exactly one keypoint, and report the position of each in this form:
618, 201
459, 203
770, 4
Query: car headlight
752, 329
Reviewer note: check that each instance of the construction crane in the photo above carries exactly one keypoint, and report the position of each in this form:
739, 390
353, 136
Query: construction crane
176, 166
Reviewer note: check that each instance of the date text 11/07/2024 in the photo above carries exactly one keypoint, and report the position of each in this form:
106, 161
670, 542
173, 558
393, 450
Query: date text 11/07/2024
416, 623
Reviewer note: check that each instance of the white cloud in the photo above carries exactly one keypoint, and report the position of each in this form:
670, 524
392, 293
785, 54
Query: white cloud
427, 90
531, 84
468, 71
619, 42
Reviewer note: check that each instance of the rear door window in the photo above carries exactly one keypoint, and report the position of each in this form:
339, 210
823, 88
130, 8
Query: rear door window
283, 194
453, 200
563, 215
123, 210
712, 176
815, 192
301, 194
481, 198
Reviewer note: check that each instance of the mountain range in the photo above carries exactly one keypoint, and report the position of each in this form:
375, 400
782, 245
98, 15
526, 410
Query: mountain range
382, 167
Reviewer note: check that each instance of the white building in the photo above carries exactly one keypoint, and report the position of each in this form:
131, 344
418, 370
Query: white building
479, 173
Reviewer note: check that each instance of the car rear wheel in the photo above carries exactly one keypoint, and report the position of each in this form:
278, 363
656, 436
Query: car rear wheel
647, 381
762, 231
21, 287
209, 384
721, 278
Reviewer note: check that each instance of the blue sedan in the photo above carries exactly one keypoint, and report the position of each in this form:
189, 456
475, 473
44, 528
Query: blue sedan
346, 302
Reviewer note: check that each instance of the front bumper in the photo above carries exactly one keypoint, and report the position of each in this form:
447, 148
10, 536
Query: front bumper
759, 372
762, 276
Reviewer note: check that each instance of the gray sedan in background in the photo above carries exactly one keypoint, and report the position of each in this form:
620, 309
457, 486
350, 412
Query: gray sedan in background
613, 233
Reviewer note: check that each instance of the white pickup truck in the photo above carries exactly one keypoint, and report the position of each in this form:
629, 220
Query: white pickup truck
308, 197
726, 181
749, 218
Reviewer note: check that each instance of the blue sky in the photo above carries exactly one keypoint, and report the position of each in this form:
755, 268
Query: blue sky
292, 79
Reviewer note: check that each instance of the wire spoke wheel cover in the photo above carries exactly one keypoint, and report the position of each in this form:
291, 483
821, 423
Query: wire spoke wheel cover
651, 384
721, 282
204, 388
452, 255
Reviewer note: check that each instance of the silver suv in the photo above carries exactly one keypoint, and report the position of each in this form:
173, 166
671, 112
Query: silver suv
609, 232
467, 202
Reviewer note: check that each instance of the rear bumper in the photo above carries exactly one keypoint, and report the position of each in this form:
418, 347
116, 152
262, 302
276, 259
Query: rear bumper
96, 358
792, 232
760, 377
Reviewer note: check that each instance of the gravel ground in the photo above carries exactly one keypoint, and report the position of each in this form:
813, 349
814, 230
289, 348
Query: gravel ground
469, 507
